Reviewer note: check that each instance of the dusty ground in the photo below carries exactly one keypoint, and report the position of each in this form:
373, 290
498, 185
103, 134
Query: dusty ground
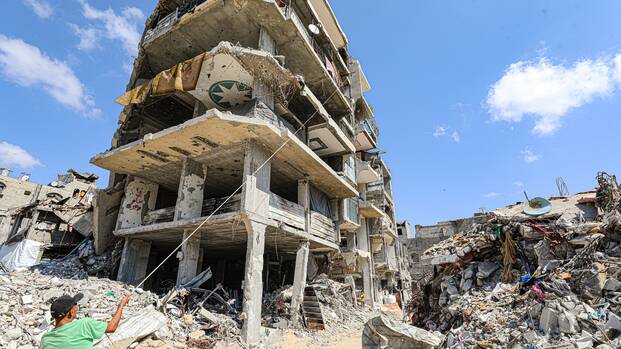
347, 341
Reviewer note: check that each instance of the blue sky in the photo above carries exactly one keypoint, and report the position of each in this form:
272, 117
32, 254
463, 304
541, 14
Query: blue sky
476, 100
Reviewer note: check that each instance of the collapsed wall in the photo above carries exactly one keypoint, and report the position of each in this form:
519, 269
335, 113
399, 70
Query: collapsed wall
427, 236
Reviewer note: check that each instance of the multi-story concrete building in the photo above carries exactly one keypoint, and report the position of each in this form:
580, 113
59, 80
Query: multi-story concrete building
46, 213
251, 114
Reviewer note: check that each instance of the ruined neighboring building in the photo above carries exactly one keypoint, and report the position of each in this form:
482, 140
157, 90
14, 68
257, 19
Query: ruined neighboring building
429, 235
56, 215
260, 95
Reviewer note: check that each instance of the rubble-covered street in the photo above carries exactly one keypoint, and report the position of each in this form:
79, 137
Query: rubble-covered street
530, 281
185, 317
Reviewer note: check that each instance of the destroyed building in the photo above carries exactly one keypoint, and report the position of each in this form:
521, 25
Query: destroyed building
260, 96
544, 273
429, 235
47, 218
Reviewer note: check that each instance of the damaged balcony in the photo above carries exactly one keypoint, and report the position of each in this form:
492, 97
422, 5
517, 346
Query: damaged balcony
366, 173
366, 135
329, 139
216, 140
293, 216
280, 30
382, 227
369, 210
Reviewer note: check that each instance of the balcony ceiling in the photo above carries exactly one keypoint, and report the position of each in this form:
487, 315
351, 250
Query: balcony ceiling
158, 157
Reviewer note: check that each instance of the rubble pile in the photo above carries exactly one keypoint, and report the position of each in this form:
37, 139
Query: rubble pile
188, 316
337, 304
180, 319
341, 316
530, 281
25, 299
81, 263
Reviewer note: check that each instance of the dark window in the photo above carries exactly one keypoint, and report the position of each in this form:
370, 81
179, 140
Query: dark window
2, 187
27, 192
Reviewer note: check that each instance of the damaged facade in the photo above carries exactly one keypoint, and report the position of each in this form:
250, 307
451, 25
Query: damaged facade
48, 218
429, 235
263, 96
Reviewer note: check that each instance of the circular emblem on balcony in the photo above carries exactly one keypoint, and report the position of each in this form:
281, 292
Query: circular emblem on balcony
229, 93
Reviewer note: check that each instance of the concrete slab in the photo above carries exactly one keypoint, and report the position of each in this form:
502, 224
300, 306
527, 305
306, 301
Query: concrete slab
213, 130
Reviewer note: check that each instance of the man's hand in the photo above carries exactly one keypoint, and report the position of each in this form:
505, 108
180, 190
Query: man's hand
116, 319
124, 301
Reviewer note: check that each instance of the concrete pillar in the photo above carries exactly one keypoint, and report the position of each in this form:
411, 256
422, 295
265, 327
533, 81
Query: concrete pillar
266, 43
253, 282
304, 201
5, 227
263, 93
191, 190
257, 176
201, 258
140, 197
190, 252
367, 282
134, 261
32, 224
349, 279
299, 280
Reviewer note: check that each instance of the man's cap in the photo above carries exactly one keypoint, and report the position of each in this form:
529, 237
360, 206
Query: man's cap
61, 305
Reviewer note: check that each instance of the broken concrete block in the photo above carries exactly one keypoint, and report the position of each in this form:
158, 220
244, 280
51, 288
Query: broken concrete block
452, 290
381, 331
614, 322
486, 269
548, 321
612, 284
26, 299
567, 323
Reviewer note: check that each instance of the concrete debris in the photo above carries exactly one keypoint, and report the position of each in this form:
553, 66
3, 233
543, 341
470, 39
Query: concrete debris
181, 318
517, 281
381, 332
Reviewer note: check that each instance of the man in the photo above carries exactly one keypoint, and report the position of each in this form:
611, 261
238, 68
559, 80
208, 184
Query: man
70, 333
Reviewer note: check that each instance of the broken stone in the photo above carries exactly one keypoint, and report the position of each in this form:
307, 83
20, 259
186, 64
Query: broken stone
548, 321
612, 284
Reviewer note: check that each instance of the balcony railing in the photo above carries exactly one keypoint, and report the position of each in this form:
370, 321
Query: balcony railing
293, 215
323, 57
164, 24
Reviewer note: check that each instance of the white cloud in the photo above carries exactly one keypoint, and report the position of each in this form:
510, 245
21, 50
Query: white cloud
518, 184
442, 131
13, 155
455, 136
491, 194
41, 8
88, 37
439, 131
122, 27
529, 156
548, 91
27, 66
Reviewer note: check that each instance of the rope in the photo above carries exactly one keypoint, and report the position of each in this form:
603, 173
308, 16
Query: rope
226, 200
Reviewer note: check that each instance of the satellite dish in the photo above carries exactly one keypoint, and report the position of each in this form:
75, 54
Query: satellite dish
314, 29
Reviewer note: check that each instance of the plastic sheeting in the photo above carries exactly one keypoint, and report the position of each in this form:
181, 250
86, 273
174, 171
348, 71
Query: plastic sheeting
20, 255
319, 202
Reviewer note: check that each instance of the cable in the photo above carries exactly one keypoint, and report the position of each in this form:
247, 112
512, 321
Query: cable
227, 199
